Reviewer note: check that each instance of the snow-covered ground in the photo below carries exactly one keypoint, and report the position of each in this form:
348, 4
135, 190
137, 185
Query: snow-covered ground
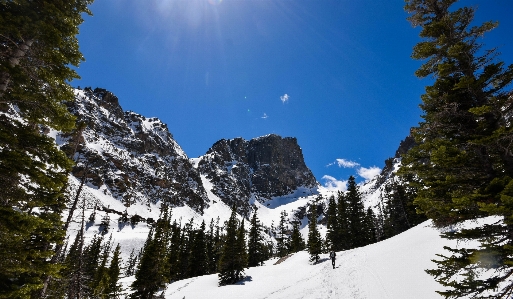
393, 269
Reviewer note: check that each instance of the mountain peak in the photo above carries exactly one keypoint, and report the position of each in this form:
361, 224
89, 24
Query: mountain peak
259, 169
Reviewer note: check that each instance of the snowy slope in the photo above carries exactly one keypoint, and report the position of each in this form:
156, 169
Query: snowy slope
393, 269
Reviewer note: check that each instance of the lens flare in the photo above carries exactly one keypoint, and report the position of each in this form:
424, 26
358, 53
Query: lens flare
215, 2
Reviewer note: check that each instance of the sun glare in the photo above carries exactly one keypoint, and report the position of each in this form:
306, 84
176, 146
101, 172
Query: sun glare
215, 2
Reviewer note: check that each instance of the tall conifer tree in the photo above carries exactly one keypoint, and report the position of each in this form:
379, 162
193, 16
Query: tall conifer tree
231, 263
282, 238
342, 223
297, 243
198, 264
332, 236
39, 46
153, 269
314, 243
462, 165
356, 214
256, 246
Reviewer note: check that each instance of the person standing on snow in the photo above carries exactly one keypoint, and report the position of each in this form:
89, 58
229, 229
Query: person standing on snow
333, 256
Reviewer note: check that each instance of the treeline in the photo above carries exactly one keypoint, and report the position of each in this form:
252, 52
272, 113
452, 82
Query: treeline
349, 225
172, 252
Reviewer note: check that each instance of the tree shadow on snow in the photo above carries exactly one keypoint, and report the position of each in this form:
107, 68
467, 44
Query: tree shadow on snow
323, 260
246, 279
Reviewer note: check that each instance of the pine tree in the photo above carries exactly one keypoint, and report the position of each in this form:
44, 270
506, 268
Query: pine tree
184, 254
314, 243
332, 236
256, 246
242, 249
217, 248
399, 211
153, 269
343, 223
74, 266
199, 261
356, 214
39, 46
282, 237
369, 227
100, 280
130, 264
296, 239
114, 289
231, 266
173, 254
462, 166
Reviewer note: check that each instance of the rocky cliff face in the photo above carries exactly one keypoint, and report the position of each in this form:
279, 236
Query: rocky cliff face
373, 189
242, 171
132, 158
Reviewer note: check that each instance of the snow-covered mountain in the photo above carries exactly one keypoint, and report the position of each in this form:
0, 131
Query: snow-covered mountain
133, 159
136, 161
131, 164
260, 169
371, 191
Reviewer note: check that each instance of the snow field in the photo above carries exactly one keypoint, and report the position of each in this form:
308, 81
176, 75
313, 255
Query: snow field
393, 269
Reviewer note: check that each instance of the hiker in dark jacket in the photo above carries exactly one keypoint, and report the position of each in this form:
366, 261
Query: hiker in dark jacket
333, 256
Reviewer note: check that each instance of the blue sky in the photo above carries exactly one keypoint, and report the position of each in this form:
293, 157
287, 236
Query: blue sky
337, 75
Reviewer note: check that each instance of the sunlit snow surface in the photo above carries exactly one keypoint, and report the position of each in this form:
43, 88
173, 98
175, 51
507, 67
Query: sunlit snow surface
393, 269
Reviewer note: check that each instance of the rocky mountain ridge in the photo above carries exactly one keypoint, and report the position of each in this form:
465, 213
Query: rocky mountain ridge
132, 158
260, 169
135, 160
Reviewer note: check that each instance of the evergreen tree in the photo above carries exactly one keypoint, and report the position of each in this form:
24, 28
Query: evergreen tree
282, 237
462, 166
296, 239
343, 223
113, 289
314, 243
369, 227
231, 266
130, 264
356, 214
242, 249
218, 245
153, 269
199, 261
332, 236
173, 254
39, 46
256, 246
184, 255
74, 266
399, 211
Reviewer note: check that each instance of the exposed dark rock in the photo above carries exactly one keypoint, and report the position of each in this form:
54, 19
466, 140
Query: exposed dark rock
260, 169
133, 158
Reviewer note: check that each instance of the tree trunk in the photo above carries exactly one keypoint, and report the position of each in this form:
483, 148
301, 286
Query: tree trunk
13, 61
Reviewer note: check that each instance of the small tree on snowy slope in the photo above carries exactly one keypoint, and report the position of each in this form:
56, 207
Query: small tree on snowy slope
332, 236
282, 239
153, 269
231, 264
296, 239
314, 244
256, 246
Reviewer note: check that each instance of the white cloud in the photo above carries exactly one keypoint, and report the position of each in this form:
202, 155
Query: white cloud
284, 98
369, 173
332, 184
344, 163
265, 115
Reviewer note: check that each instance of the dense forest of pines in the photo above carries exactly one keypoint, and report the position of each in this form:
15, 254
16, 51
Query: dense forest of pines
460, 168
